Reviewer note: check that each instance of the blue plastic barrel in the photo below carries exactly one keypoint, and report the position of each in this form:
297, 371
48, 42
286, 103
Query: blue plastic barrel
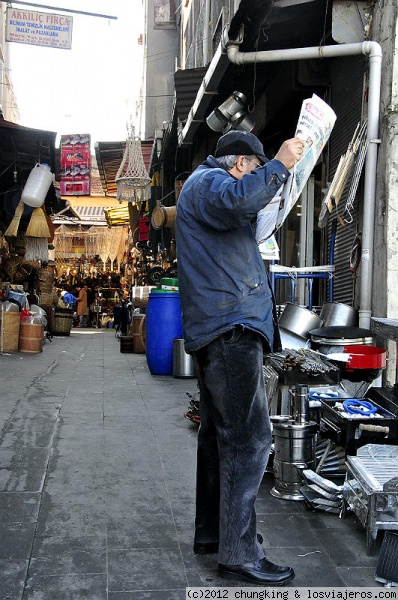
163, 323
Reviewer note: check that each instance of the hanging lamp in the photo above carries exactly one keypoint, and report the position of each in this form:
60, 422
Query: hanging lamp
132, 178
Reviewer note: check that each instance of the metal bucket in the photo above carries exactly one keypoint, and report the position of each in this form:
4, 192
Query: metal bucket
299, 320
183, 365
338, 314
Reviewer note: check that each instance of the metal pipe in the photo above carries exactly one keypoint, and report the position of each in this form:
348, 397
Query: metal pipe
374, 51
77, 12
206, 36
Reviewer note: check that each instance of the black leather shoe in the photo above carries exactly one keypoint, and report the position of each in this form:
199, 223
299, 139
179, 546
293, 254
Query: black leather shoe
261, 571
212, 547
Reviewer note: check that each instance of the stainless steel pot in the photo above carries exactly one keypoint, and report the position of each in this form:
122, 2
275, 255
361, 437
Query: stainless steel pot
299, 320
338, 314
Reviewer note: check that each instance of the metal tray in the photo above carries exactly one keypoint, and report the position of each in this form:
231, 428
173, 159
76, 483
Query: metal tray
354, 432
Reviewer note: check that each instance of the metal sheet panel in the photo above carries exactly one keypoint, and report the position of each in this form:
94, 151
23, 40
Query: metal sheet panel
187, 83
347, 85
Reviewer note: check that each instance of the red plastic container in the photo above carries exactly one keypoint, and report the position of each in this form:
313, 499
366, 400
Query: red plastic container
365, 357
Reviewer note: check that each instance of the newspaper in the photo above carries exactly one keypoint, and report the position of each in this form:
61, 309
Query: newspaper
269, 249
314, 127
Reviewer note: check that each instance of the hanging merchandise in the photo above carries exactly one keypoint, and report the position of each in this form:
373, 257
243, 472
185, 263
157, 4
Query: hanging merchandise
12, 229
104, 245
33, 194
37, 235
122, 247
37, 185
355, 254
344, 170
358, 166
38, 226
36, 249
132, 178
115, 235
143, 228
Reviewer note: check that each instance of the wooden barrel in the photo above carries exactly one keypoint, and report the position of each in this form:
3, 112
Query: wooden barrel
136, 331
126, 344
31, 336
140, 295
9, 331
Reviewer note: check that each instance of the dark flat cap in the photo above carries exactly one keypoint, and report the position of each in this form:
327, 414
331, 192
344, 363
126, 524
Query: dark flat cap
240, 142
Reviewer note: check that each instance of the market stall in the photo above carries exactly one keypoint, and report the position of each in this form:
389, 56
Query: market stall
335, 433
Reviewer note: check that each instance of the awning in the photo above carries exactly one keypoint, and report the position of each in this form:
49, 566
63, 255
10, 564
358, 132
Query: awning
20, 149
187, 83
90, 210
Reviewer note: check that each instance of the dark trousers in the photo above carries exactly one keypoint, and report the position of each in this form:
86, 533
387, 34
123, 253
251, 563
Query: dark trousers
234, 441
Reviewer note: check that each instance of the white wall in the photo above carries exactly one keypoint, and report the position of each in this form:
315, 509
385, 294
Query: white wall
161, 51
385, 288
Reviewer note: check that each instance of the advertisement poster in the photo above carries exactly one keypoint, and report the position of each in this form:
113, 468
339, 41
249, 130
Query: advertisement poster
75, 165
39, 29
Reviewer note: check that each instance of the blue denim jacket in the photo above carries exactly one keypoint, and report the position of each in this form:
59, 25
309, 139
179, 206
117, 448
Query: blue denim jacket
221, 276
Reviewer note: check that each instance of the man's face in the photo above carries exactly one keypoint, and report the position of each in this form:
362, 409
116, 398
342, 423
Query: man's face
252, 163
245, 165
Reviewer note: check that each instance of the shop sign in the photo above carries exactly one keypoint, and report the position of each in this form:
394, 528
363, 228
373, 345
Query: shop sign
75, 165
39, 29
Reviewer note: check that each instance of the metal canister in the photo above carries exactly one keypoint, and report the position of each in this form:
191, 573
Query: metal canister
300, 407
294, 446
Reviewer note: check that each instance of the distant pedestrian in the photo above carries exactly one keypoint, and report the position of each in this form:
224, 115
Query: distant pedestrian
82, 306
67, 300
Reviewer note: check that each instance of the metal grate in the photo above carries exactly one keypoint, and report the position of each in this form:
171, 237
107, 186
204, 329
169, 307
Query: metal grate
387, 567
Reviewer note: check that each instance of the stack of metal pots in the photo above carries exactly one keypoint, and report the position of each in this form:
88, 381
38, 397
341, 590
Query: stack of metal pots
294, 446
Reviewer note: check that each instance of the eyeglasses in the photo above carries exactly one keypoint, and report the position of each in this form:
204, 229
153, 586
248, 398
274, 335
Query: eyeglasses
253, 161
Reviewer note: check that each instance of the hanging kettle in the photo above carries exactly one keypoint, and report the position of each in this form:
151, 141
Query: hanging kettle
37, 185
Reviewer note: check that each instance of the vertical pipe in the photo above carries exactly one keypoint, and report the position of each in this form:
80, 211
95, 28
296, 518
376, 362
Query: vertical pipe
206, 38
366, 280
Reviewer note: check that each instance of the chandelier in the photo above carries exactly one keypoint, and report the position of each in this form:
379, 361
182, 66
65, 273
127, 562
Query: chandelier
132, 179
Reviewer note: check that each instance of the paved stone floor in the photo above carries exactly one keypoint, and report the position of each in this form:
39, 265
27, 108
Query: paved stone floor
97, 475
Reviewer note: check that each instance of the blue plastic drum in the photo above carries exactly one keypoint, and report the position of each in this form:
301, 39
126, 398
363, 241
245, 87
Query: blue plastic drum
163, 324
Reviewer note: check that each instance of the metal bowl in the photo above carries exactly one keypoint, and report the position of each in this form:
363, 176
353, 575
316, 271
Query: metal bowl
299, 320
338, 314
